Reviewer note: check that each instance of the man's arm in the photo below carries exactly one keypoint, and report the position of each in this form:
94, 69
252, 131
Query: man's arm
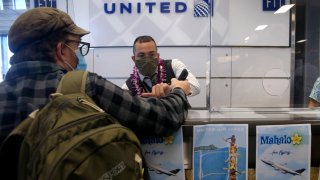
177, 67
313, 103
159, 116
163, 89
315, 94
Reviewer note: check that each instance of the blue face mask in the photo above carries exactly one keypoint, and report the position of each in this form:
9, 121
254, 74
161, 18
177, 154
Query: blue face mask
82, 65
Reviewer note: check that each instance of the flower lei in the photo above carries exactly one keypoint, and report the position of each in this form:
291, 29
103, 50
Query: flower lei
136, 83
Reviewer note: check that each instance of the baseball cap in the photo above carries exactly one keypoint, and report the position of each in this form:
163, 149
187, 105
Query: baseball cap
37, 24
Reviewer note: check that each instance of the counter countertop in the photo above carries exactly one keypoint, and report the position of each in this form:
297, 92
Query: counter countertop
254, 116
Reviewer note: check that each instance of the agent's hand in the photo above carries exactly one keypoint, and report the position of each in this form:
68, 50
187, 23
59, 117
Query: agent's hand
158, 90
184, 85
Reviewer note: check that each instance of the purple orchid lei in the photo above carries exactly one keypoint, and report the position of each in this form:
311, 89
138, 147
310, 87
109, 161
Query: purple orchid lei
136, 83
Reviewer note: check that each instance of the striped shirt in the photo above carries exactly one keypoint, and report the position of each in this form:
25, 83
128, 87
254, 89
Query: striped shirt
28, 84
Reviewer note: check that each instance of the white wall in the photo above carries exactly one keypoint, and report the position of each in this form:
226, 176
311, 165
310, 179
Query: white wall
240, 76
225, 27
250, 77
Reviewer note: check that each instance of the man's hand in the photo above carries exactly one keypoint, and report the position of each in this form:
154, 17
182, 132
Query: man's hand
158, 90
163, 89
313, 103
184, 85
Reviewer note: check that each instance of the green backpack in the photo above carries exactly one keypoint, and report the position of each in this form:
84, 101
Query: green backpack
72, 138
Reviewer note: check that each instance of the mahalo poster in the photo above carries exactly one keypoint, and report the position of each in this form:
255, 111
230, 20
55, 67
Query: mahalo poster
283, 152
220, 151
164, 156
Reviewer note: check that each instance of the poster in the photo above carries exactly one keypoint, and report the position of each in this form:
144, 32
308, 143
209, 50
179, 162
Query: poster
220, 151
164, 156
283, 152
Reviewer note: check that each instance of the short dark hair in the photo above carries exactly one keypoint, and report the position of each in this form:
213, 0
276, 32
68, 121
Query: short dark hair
142, 39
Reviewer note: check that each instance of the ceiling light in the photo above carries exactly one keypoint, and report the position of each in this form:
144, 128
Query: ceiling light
284, 8
302, 40
261, 27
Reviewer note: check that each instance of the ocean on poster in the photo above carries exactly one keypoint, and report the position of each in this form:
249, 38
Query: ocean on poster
283, 152
164, 156
212, 151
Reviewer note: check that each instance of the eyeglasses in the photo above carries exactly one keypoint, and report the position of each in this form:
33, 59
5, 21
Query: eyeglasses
83, 46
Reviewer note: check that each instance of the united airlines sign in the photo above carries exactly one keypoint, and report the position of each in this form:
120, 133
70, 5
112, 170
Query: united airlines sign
184, 22
202, 8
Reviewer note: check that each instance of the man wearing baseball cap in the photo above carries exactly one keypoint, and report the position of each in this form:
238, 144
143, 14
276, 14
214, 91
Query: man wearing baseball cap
47, 44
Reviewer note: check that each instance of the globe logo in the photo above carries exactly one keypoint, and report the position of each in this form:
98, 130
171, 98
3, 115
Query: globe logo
202, 8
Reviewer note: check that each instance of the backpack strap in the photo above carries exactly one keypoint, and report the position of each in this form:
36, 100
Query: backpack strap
73, 82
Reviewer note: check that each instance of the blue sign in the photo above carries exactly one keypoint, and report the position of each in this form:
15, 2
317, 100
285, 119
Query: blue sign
45, 3
111, 8
202, 8
272, 5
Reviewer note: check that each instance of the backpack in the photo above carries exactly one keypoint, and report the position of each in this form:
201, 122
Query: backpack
72, 138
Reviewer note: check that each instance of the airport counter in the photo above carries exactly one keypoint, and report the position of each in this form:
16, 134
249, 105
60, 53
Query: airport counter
254, 117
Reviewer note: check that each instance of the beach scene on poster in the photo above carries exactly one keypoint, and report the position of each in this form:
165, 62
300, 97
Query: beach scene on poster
283, 152
220, 152
164, 156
